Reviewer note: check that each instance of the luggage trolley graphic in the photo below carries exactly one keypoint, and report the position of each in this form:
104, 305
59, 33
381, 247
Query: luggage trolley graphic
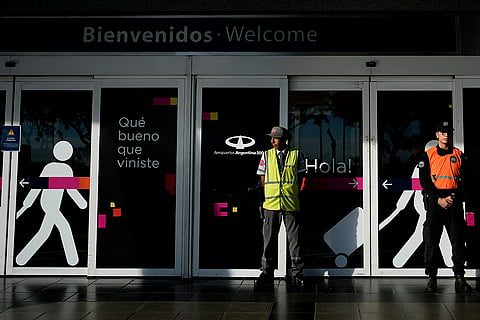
346, 236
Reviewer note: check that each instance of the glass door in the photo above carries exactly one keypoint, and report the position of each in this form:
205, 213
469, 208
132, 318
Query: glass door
141, 194
403, 115
233, 117
49, 200
328, 121
467, 95
6, 106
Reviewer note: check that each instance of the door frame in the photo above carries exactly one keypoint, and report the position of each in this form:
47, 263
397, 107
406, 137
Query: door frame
182, 177
347, 84
460, 83
53, 84
6, 85
231, 82
441, 83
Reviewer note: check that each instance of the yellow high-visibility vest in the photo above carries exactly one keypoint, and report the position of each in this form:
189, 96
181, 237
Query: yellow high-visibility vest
281, 192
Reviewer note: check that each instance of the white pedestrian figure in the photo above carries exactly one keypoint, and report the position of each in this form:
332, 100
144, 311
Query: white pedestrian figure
416, 238
50, 201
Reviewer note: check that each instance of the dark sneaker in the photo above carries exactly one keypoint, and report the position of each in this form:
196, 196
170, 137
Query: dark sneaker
265, 279
461, 286
431, 285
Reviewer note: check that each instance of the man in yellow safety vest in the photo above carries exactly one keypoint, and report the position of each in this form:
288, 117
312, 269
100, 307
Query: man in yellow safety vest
281, 170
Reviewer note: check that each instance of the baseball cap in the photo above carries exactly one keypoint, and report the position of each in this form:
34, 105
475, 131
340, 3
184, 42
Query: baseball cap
445, 126
279, 133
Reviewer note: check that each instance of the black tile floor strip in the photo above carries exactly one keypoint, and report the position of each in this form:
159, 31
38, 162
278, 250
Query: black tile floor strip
44, 298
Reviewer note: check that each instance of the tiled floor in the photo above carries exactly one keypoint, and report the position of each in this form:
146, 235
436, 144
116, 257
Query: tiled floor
23, 298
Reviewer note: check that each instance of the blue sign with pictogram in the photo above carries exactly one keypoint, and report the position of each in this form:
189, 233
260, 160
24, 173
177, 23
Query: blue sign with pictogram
11, 138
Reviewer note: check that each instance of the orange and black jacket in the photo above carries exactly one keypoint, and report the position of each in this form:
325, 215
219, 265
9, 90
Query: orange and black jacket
443, 172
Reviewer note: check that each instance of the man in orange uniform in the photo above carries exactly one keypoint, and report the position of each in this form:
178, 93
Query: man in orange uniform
442, 176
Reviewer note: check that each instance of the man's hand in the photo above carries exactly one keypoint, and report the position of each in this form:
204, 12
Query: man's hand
446, 203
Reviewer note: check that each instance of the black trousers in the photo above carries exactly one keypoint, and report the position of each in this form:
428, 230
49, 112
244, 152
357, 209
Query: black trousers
271, 226
454, 222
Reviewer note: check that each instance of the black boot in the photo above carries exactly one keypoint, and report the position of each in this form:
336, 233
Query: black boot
461, 285
431, 285
299, 280
264, 280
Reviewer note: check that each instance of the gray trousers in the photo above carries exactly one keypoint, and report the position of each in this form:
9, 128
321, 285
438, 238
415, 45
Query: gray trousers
271, 226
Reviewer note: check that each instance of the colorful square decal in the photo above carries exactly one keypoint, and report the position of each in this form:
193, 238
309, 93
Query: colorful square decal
217, 209
117, 212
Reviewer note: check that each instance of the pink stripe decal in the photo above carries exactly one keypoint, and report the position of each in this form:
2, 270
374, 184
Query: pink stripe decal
470, 219
416, 184
353, 183
102, 221
69, 183
161, 101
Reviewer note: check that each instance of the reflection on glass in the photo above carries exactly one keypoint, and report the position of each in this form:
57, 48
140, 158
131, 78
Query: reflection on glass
326, 126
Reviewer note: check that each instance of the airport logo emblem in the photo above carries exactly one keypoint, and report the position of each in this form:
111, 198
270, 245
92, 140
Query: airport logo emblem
240, 142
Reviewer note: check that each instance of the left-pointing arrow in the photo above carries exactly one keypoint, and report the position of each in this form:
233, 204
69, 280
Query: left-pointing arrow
385, 184
23, 183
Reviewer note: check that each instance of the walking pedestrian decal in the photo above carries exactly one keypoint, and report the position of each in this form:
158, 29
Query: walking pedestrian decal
50, 201
347, 235
416, 239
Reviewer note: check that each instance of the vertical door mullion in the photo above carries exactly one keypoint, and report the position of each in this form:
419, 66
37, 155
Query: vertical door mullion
458, 137
367, 179
13, 183
94, 170
5, 185
282, 236
373, 145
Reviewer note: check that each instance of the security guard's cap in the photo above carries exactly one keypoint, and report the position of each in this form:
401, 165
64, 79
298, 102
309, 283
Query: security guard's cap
279, 133
445, 126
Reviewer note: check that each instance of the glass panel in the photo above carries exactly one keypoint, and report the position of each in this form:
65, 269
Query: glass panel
3, 102
137, 178
471, 102
327, 128
51, 229
406, 123
235, 121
